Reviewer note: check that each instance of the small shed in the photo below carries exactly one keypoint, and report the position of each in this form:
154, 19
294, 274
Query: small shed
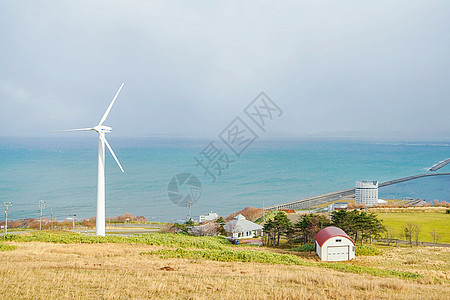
241, 228
333, 244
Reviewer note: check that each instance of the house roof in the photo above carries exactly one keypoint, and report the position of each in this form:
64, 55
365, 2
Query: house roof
240, 224
328, 233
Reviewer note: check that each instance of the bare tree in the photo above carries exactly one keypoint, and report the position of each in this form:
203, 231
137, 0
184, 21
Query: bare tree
208, 229
416, 229
390, 235
436, 235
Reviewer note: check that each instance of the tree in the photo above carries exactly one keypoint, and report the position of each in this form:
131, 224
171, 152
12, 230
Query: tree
276, 227
184, 228
221, 223
372, 226
435, 235
358, 224
407, 230
309, 225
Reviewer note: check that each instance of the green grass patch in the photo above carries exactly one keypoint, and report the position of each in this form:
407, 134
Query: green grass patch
229, 255
4, 247
367, 250
349, 268
427, 221
304, 248
157, 239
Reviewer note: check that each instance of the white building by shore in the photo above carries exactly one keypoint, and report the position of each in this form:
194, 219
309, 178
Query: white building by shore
366, 192
209, 217
337, 205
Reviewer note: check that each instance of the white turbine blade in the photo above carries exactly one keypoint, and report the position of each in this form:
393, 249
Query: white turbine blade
79, 129
109, 107
111, 150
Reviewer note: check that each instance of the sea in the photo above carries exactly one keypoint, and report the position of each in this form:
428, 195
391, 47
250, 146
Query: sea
63, 172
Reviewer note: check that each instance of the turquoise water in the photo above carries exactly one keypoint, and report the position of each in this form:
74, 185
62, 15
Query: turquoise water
63, 172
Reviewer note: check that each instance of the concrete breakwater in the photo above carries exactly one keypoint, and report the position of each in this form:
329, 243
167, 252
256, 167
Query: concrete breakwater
440, 165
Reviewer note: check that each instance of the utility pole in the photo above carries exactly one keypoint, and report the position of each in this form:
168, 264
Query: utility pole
264, 214
51, 217
189, 211
6, 205
41, 204
73, 221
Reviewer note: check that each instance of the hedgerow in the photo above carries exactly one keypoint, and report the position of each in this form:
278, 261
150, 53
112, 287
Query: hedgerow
157, 239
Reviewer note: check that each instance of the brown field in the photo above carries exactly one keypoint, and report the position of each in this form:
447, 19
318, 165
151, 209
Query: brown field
117, 271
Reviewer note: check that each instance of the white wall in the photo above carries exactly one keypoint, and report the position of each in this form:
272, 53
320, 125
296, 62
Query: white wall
322, 252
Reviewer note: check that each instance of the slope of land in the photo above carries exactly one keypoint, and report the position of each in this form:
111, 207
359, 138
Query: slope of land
123, 269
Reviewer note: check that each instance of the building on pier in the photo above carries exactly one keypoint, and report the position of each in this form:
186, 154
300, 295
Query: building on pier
366, 192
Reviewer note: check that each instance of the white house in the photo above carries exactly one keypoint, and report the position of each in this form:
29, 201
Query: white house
241, 228
333, 244
209, 217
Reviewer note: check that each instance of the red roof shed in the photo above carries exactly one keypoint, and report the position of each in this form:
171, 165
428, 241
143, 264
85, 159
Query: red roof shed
328, 233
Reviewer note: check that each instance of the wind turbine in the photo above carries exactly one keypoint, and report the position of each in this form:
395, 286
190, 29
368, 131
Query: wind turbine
101, 130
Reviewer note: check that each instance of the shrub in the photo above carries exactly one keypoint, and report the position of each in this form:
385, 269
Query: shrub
4, 247
304, 248
367, 250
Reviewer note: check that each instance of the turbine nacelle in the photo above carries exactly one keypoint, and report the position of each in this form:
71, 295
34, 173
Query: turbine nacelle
102, 128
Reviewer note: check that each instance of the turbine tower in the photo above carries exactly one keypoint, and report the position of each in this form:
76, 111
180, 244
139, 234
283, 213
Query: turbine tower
101, 130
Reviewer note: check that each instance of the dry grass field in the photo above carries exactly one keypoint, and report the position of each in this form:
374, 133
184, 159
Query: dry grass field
37, 270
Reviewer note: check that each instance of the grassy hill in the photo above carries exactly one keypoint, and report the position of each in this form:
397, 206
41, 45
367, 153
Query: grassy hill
168, 266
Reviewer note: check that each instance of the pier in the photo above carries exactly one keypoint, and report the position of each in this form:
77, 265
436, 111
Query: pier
439, 165
316, 200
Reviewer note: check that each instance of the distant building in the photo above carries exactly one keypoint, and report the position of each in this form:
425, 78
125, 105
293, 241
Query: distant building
333, 244
209, 217
337, 206
381, 201
366, 192
241, 228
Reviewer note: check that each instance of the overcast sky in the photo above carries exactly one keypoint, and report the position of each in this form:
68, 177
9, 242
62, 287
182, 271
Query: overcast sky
336, 68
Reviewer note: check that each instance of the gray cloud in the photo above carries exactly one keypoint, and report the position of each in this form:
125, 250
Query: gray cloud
190, 67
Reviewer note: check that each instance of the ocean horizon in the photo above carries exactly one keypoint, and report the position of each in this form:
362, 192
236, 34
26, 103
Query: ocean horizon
62, 171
